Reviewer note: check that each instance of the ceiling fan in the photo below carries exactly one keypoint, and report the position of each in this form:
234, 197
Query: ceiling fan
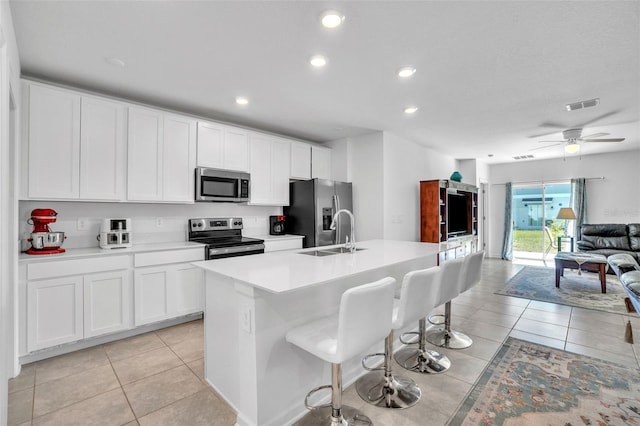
573, 136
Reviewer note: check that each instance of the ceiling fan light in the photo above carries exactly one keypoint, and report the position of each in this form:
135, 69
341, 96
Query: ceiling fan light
571, 148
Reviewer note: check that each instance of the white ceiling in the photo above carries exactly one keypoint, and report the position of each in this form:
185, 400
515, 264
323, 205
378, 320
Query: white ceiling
490, 74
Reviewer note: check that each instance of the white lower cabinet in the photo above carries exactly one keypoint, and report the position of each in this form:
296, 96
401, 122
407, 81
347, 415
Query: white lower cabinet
68, 309
107, 303
164, 292
54, 312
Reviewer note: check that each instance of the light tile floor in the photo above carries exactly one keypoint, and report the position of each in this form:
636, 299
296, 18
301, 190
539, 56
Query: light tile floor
157, 378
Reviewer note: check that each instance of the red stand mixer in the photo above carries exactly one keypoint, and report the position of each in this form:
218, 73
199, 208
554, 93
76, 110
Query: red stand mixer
43, 240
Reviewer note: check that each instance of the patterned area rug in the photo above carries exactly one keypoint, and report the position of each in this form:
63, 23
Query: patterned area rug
538, 283
527, 384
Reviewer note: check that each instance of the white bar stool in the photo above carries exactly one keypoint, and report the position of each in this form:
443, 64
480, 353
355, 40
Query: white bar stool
384, 389
421, 359
450, 287
364, 318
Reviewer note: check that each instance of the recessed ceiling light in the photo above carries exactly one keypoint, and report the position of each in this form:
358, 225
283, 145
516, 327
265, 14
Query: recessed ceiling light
242, 100
331, 19
405, 72
116, 62
410, 110
318, 61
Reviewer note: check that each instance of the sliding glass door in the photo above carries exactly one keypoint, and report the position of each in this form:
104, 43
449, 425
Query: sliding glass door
535, 227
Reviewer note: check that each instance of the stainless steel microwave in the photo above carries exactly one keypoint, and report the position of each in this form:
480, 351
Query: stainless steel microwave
222, 185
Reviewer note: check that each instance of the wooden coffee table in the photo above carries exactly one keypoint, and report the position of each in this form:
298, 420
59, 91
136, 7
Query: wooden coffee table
584, 262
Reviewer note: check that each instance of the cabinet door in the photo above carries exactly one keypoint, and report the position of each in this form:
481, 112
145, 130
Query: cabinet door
107, 303
280, 167
102, 150
210, 145
187, 288
54, 143
151, 294
54, 312
260, 168
144, 177
236, 149
179, 156
300, 161
320, 162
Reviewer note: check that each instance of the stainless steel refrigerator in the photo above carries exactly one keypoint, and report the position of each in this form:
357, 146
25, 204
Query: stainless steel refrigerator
312, 204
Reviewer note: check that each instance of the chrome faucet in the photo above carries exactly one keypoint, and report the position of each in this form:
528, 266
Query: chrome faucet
350, 244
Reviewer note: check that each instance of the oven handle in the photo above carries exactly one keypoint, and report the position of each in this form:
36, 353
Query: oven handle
225, 251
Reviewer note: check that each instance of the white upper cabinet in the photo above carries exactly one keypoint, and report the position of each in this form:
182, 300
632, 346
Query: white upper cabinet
270, 165
179, 159
300, 161
222, 147
161, 159
76, 145
320, 162
102, 150
144, 178
53, 142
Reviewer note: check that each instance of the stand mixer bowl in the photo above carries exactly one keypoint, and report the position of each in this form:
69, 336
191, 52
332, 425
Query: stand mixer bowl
46, 240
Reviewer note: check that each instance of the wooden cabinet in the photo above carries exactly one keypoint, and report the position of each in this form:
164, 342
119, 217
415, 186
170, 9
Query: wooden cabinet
161, 158
164, 291
53, 138
320, 162
448, 211
269, 167
76, 145
222, 147
300, 161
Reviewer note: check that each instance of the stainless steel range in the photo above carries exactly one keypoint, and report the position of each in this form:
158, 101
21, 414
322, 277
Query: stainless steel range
223, 237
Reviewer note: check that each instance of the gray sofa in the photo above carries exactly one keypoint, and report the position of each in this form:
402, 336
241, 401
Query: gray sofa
610, 238
628, 271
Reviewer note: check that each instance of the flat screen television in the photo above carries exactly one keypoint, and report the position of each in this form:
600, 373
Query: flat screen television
457, 214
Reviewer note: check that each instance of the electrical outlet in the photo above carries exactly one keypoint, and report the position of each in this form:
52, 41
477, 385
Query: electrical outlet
82, 224
159, 222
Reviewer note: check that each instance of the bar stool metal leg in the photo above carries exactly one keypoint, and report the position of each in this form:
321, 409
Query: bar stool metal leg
421, 359
445, 337
383, 389
333, 414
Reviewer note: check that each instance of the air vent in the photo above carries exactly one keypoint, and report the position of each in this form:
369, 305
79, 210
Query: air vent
523, 157
583, 104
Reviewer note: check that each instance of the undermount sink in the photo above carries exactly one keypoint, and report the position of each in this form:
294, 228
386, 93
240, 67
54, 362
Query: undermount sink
328, 252
343, 250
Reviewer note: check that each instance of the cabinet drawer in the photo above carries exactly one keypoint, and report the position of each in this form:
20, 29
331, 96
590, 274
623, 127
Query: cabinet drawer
170, 256
277, 245
37, 271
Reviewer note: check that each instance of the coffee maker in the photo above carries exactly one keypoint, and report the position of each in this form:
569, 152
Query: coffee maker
43, 240
276, 225
115, 233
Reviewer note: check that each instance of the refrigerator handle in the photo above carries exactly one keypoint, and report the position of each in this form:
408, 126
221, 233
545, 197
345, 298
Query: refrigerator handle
336, 207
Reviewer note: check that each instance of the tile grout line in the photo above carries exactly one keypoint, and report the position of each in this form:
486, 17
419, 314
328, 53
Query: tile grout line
121, 387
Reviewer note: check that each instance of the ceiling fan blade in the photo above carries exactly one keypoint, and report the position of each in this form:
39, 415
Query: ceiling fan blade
608, 114
545, 147
539, 135
603, 140
551, 141
595, 135
554, 125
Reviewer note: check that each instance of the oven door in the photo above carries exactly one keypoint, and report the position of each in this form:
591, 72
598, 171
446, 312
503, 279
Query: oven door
233, 251
221, 185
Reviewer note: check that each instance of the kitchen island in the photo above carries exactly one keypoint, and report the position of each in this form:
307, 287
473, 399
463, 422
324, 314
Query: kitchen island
252, 301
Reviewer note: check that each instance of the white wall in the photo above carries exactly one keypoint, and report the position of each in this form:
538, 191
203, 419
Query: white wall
365, 156
614, 199
405, 164
144, 218
9, 74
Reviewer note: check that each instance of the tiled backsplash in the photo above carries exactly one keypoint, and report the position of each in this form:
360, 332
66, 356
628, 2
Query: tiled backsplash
150, 223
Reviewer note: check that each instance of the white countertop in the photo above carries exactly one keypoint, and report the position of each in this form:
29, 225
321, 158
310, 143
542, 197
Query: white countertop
279, 272
277, 237
74, 253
